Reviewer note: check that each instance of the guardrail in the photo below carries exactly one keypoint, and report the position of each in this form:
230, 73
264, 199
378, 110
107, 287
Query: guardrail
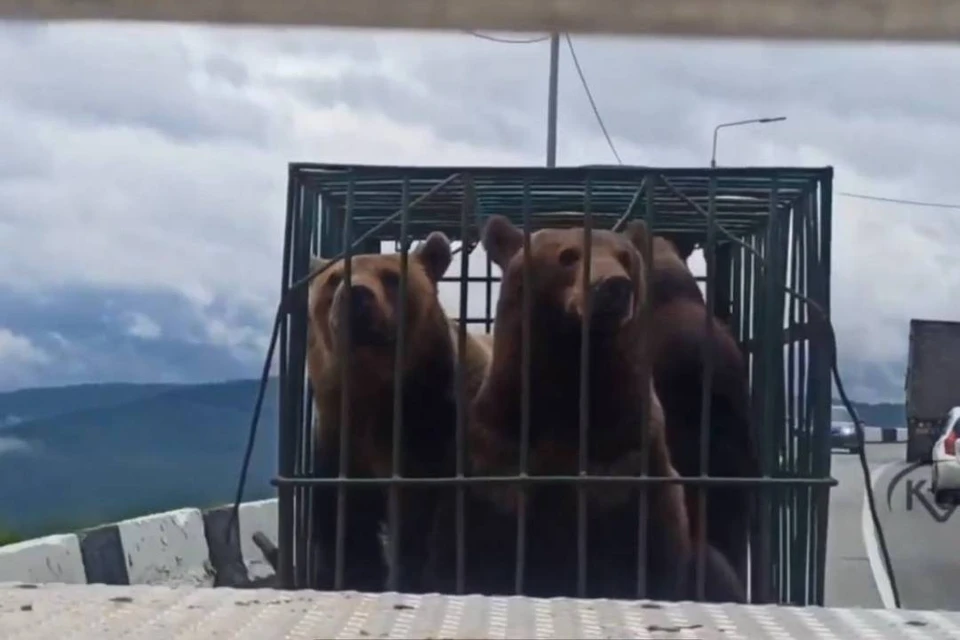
185, 546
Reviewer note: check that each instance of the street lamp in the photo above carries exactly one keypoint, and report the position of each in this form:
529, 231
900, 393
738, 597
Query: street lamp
713, 157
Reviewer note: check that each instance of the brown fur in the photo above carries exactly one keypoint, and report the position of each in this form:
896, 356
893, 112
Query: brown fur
429, 404
679, 334
617, 404
682, 243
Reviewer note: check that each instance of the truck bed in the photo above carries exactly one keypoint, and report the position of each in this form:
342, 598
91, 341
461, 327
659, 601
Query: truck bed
100, 612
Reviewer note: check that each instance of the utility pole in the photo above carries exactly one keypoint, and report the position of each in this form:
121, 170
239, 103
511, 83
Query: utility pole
552, 100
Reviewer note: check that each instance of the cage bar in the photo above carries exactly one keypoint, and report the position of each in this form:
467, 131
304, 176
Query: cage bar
706, 388
765, 230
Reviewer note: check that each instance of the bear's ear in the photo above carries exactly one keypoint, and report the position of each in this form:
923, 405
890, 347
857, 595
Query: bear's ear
435, 255
639, 236
501, 240
685, 246
317, 263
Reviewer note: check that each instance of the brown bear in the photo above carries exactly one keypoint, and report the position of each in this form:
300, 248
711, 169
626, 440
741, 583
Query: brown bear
619, 395
429, 397
679, 340
677, 249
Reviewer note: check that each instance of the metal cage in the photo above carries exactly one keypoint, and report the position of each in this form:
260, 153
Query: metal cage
763, 231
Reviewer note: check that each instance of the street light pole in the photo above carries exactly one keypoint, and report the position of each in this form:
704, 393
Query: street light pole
552, 100
716, 130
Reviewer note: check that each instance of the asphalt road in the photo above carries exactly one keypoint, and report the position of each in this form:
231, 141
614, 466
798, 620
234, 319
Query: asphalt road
850, 578
925, 553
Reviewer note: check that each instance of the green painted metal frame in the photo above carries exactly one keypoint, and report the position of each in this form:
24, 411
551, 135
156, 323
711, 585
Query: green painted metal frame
779, 216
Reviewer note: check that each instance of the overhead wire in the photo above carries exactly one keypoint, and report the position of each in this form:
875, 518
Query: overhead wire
914, 203
484, 36
847, 194
593, 103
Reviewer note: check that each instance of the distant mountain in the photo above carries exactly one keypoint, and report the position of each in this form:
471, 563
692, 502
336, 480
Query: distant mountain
45, 402
114, 451
880, 415
81, 455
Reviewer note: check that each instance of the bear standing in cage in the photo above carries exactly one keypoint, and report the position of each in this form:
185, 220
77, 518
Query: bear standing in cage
680, 339
548, 559
359, 333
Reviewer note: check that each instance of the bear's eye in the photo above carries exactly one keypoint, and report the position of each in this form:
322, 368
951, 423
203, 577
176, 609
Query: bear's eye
569, 256
624, 258
390, 280
334, 280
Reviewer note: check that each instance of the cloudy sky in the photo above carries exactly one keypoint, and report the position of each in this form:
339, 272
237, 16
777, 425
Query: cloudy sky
143, 169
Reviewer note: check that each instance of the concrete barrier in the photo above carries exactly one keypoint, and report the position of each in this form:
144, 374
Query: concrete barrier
884, 434
49, 559
890, 434
186, 546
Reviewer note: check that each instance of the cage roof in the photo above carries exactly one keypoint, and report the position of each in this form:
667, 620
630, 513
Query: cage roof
743, 198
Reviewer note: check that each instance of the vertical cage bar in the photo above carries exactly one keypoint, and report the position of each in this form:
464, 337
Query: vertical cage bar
309, 527
771, 342
525, 391
286, 435
331, 244
796, 546
803, 442
758, 373
584, 389
817, 357
826, 234
466, 213
736, 293
649, 185
393, 504
488, 293
750, 324
823, 470
803, 494
345, 382
707, 386
297, 381
779, 430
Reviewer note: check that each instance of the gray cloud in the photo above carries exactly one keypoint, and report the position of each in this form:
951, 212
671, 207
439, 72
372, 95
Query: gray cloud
125, 76
154, 158
463, 119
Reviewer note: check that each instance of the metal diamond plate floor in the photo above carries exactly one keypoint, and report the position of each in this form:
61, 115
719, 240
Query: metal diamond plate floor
101, 612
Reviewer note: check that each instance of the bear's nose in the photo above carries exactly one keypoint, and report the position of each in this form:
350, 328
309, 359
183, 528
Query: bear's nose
612, 298
362, 301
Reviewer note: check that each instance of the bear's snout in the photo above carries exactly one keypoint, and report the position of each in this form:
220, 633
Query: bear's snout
365, 329
362, 303
612, 299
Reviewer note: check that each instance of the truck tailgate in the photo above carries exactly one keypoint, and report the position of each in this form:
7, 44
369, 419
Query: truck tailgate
100, 612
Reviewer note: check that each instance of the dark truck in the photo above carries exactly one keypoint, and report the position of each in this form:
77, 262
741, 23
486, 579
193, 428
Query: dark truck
932, 383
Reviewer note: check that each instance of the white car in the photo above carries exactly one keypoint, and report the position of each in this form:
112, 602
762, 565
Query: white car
945, 470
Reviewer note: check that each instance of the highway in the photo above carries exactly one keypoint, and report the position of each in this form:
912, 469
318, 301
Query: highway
850, 581
925, 552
